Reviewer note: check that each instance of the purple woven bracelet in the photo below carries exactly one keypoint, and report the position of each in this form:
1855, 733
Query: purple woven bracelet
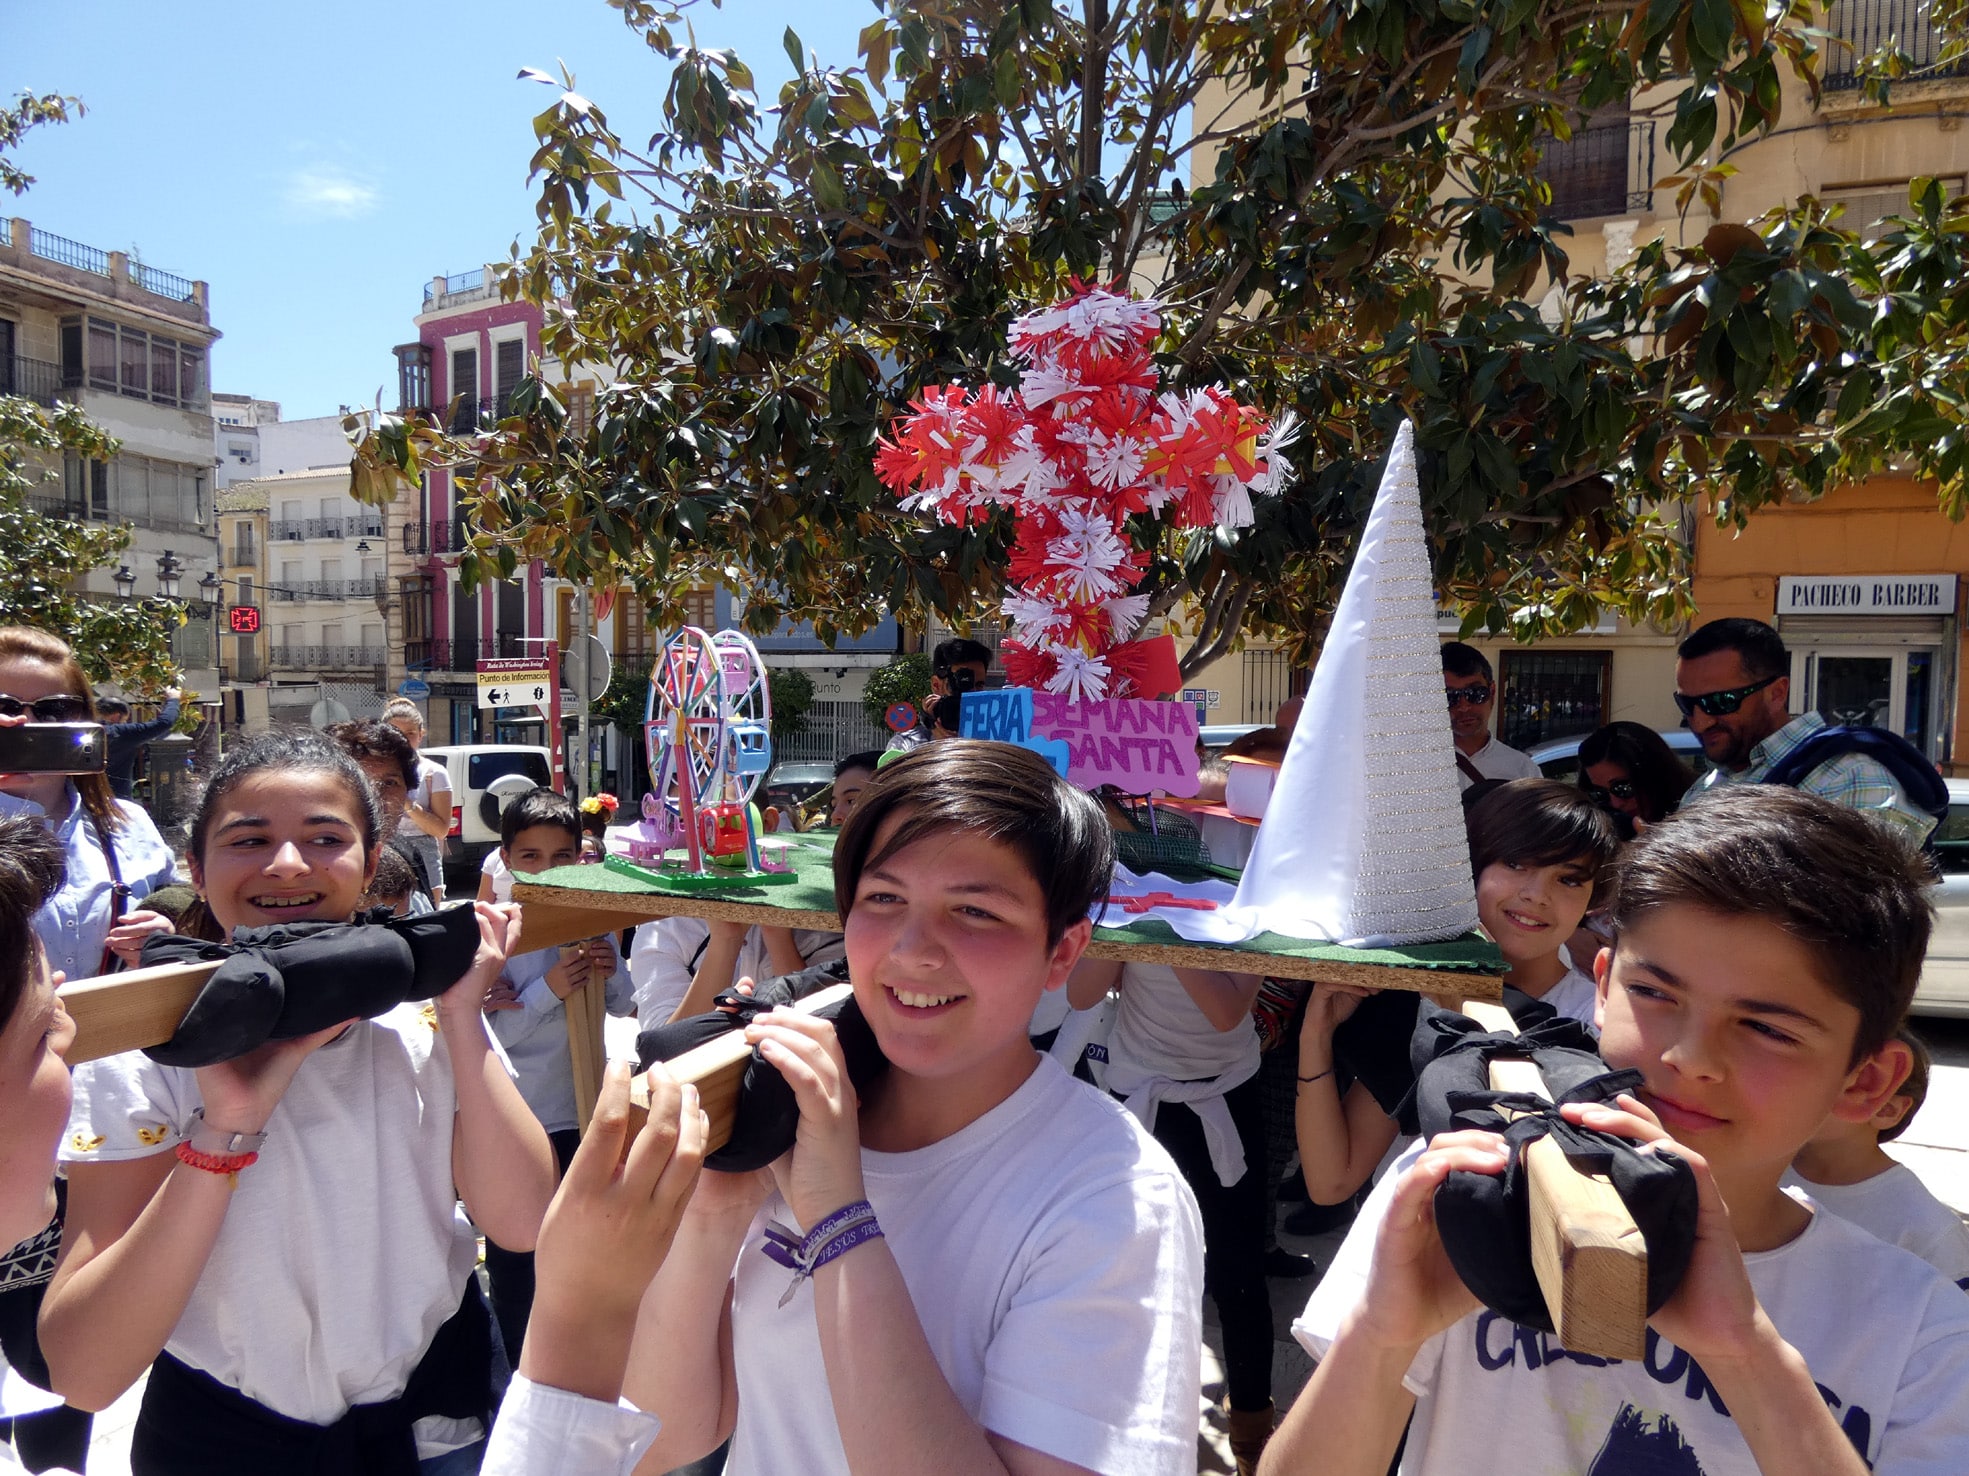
839, 1233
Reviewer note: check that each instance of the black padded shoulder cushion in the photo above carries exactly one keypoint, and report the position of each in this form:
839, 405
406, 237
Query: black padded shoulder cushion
1485, 1219
296, 978
768, 1114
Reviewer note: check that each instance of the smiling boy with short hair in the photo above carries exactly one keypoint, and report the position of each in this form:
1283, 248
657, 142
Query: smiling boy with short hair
1766, 946
1015, 1286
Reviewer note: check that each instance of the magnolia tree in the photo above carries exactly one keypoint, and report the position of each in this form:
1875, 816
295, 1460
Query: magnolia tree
771, 289
40, 557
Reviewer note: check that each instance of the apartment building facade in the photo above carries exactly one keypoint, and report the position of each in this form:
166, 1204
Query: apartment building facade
130, 345
1864, 583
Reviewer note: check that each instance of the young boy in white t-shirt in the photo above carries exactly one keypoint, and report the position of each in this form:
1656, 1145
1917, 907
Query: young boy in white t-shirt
1844, 1169
1766, 945
1013, 1278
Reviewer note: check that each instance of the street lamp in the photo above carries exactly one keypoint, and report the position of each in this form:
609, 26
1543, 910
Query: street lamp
212, 589
168, 570
125, 582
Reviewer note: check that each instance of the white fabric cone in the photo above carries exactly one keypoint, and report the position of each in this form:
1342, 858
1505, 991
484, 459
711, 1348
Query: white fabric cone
1363, 842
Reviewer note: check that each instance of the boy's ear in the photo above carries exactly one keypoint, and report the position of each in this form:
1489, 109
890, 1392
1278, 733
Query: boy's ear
1871, 1085
1603, 981
196, 868
1066, 953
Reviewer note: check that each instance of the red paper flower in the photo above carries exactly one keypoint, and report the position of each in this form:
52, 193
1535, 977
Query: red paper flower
1085, 444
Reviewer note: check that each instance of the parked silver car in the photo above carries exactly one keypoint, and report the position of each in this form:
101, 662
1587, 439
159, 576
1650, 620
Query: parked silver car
1944, 986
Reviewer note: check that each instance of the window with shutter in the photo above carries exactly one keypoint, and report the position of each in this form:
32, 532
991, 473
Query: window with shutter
509, 363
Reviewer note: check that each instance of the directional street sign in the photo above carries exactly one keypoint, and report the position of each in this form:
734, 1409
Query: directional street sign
529, 681
513, 681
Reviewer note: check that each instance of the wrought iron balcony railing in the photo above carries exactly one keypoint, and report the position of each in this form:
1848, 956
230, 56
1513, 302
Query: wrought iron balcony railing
1861, 27
1603, 169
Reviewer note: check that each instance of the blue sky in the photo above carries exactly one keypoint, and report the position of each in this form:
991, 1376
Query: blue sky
317, 165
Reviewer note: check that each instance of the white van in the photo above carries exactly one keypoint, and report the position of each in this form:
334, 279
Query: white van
483, 777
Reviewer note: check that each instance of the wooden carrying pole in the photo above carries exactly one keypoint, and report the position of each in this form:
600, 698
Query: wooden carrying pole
716, 1069
1589, 1255
128, 1011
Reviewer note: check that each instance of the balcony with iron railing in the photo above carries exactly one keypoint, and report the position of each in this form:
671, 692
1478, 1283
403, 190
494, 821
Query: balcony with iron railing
328, 658
56, 505
33, 379
329, 589
117, 266
1861, 27
467, 415
459, 287
443, 536
296, 530
1605, 168
462, 654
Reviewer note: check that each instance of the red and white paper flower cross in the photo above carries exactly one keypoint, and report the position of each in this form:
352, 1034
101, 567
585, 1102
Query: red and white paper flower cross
1084, 443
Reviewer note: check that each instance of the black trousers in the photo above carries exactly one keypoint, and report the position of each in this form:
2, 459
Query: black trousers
1233, 1237
510, 1273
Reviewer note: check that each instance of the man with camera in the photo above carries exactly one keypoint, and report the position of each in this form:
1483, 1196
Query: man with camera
957, 666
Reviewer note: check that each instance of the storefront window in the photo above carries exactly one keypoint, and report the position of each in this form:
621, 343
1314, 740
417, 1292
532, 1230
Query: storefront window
1856, 690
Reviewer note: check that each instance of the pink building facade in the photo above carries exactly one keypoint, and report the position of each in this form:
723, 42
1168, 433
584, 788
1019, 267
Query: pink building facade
472, 349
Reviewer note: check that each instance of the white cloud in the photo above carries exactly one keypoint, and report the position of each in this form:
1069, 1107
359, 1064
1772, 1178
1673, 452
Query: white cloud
328, 192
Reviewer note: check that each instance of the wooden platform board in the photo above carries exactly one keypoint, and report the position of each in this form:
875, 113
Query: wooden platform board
553, 914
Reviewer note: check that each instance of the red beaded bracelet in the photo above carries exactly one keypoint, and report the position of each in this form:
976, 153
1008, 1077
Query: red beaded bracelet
228, 1164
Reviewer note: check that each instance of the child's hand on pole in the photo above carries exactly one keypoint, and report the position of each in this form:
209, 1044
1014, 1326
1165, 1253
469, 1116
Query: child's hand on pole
1714, 1316
499, 936
569, 972
823, 1172
1413, 1292
607, 1232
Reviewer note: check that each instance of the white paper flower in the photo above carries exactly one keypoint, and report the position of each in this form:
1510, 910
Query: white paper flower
1036, 618
1125, 614
1078, 677
1086, 555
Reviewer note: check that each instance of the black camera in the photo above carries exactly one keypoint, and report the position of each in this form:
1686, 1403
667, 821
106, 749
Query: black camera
960, 679
52, 748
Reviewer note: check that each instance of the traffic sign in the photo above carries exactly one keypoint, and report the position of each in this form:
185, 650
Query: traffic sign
413, 687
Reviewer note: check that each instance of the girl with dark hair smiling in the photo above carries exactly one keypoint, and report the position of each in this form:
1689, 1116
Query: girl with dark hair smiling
276, 1237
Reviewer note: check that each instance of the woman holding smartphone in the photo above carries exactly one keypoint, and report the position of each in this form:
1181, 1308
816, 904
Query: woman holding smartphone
93, 923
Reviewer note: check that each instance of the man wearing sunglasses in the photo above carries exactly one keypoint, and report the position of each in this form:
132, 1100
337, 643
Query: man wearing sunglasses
1733, 686
1472, 692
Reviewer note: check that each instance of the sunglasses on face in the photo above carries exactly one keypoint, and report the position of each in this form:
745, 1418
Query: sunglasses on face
1474, 696
57, 709
1622, 789
1719, 704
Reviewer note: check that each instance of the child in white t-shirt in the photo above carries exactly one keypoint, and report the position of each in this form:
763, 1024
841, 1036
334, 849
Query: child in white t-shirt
1006, 1268
1844, 1169
539, 831
1766, 944
1538, 849
276, 1238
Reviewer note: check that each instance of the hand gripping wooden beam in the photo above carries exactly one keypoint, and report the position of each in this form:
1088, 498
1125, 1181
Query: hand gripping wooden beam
716, 1069
1589, 1255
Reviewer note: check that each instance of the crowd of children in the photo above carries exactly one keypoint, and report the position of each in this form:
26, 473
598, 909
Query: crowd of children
975, 1263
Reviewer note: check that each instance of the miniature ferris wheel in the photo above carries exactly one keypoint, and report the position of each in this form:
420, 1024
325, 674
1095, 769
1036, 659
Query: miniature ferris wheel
684, 727
748, 716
